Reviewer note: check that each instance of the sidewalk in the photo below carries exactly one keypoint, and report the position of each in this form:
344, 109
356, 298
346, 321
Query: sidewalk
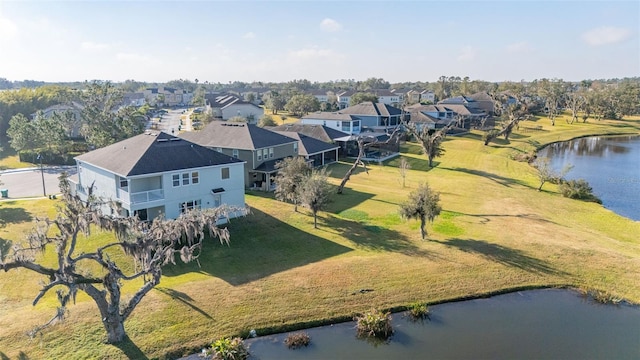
32, 182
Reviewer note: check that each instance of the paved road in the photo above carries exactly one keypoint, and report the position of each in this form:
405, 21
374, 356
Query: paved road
28, 182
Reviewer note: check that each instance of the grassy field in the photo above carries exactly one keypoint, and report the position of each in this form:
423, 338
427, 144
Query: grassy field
496, 233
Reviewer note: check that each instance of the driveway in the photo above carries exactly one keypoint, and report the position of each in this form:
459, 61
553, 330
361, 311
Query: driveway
28, 182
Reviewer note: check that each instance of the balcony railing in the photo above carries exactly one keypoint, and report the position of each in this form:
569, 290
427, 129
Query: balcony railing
147, 196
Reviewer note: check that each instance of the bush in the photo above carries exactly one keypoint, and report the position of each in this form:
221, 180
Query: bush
418, 311
374, 324
297, 340
578, 189
229, 349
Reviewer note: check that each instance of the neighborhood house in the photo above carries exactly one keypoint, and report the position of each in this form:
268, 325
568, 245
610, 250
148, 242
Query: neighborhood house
156, 174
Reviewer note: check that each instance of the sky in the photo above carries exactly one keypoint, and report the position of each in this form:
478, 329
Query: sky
279, 41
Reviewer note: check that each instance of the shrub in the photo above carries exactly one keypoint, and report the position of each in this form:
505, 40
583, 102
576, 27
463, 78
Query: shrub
418, 310
578, 189
229, 349
374, 324
297, 340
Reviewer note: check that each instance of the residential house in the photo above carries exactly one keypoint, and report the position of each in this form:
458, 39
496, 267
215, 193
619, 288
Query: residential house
427, 96
71, 112
226, 106
441, 114
136, 99
374, 120
388, 97
259, 148
167, 96
315, 152
484, 101
156, 174
354, 119
344, 98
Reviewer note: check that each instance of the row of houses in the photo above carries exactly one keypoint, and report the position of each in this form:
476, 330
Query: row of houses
158, 174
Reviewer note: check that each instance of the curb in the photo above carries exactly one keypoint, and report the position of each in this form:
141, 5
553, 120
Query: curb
13, 171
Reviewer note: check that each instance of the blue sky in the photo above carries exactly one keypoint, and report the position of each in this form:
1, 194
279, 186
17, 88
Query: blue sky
279, 41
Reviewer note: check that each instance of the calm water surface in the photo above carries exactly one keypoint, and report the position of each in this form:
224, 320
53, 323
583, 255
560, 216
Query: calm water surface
540, 324
611, 165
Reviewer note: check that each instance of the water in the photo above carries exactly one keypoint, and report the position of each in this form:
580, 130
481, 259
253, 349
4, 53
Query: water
611, 165
539, 324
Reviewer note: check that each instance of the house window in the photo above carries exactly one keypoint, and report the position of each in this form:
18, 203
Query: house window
217, 200
189, 205
123, 182
225, 173
141, 214
176, 179
270, 152
259, 155
235, 153
185, 178
265, 154
195, 177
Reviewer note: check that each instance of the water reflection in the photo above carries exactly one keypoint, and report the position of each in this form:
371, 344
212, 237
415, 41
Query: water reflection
591, 146
540, 324
611, 165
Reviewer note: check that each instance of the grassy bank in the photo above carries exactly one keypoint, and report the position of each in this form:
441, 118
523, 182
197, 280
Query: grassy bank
496, 232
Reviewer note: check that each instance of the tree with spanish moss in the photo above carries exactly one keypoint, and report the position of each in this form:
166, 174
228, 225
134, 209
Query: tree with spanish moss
292, 172
430, 140
423, 204
137, 253
315, 193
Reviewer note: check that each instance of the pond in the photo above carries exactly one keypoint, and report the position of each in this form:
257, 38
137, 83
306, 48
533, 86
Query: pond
611, 165
537, 324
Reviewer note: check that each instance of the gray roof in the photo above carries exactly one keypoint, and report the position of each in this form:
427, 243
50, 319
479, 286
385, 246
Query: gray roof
324, 115
308, 145
372, 109
226, 100
320, 132
153, 152
236, 135
420, 117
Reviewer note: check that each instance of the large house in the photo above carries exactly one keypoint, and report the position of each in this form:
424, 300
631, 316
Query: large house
226, 106
259, 148
315, 152
367, 116
156, 174
167, 96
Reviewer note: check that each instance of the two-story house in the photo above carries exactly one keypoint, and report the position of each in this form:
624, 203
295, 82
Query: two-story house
259, 148
226, 106
71, 112
156, 174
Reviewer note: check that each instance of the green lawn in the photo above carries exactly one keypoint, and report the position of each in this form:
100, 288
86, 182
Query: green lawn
496, 233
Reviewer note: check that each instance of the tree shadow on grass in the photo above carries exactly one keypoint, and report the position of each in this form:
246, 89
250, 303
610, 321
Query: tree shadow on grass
5, 246
373, 237
183, 298
504, 181
261, 245
502, 255
485, 218
421, 164
347, 200
10, 215
130, 349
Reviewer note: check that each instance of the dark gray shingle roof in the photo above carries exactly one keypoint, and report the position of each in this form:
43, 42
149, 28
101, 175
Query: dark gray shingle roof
320, 132
232, 135
153, 152
308, 145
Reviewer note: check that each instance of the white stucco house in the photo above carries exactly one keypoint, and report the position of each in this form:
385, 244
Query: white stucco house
227, 106
157, 174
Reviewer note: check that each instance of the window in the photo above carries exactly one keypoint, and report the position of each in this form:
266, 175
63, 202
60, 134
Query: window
270, 152
176, 179
189, 205
265, 154
141, 214
225, 173
235, 153
259, 155
195, 177
295, 147
217, 200
185, 178
123, 183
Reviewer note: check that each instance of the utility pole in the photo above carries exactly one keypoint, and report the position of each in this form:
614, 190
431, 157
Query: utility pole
44, 190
